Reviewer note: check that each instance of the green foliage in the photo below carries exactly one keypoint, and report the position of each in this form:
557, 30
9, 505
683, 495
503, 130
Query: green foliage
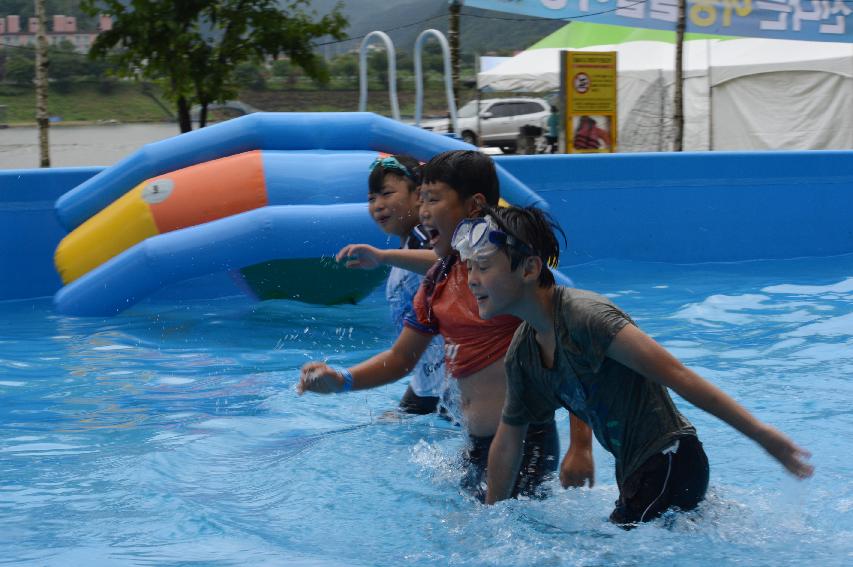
107, 85
345, 68
286, 70
66, 66
21, 68
85, 102
282, 68
196, 46
250, 76
377, 65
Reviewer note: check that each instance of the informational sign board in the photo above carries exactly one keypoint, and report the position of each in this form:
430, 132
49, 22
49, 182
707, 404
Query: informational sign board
589, 87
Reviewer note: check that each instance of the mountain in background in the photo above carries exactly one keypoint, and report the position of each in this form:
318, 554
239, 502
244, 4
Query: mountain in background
481, 31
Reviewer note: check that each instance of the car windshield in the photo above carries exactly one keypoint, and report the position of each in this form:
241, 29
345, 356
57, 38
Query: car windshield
469, 110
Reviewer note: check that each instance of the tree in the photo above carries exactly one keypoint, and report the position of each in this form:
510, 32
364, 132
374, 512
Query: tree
345, 68
42, 63
21, 69
65, 66
250, 76
284, 69
195, 46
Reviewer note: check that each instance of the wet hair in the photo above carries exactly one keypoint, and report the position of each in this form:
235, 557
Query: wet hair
467, 172
377, 175
537, 230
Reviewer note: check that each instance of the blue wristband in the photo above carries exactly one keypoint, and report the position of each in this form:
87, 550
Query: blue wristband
347, 376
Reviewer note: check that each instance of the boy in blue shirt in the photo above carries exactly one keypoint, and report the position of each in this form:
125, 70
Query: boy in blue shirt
393, 203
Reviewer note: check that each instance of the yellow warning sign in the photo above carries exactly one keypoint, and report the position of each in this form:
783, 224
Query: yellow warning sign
589, 83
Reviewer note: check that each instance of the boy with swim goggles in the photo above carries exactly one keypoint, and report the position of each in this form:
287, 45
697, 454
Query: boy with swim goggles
391, 163
579, 351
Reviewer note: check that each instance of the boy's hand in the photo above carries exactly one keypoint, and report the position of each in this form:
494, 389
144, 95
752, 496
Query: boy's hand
577, 467
362, 256
319, 378
786, 452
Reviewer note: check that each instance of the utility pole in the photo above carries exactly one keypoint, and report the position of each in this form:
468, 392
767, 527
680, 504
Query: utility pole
678, 97
41, 84
453, 40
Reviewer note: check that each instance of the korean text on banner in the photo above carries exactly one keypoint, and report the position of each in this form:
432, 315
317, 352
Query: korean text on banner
804, 20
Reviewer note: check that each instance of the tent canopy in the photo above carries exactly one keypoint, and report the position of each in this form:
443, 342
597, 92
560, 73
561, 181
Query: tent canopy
576, 35
640, 50
767, 94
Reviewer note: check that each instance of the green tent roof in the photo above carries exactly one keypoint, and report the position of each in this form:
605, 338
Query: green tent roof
583, 34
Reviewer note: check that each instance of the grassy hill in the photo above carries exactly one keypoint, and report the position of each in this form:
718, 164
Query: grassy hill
84, 103
128, 103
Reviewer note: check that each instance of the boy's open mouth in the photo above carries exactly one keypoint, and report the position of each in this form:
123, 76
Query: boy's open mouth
431, 233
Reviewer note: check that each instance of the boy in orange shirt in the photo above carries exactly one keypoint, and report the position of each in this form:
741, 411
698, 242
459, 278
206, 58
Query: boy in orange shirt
458, 185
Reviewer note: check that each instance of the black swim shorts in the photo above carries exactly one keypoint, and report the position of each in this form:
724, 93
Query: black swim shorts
540, 460
674, 479
418, 405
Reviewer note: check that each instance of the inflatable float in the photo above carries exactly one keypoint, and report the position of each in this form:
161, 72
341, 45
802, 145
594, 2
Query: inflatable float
267, 198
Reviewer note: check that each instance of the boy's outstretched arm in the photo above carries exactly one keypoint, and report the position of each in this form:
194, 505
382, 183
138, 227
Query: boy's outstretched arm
638, 351
504, 460
578, 465
384, 368
367, 257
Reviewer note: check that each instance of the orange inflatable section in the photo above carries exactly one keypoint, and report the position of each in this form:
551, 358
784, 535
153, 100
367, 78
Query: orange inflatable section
210, 191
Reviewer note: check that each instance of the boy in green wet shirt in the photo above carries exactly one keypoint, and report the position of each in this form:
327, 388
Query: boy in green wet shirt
579, 351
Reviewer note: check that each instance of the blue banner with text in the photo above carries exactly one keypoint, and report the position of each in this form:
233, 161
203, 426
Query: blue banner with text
805, 20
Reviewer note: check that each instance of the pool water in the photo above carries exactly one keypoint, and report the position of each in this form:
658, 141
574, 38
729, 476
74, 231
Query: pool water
172, 434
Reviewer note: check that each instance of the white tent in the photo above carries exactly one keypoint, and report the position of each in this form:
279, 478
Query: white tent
774, 94
740, 94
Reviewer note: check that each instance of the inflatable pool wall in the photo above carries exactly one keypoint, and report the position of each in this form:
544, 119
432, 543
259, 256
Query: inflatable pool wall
661, 207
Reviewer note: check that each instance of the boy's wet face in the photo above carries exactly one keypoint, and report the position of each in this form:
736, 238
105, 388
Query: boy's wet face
493, 284
394, 207
441, 211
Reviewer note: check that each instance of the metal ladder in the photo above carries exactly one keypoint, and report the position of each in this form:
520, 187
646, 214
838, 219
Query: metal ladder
392, 74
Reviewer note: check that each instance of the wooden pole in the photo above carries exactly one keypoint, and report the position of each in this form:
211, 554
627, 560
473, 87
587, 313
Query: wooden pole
678, 98
453, 40
41, 84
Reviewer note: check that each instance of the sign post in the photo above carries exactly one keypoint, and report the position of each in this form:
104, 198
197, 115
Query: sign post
589, 87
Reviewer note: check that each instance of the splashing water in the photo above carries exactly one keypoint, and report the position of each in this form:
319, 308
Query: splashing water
172, 434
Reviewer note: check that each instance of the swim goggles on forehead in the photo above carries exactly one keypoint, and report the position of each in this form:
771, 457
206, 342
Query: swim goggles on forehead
481, 237
391, 163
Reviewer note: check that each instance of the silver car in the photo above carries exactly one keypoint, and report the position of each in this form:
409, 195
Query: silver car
499, 122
